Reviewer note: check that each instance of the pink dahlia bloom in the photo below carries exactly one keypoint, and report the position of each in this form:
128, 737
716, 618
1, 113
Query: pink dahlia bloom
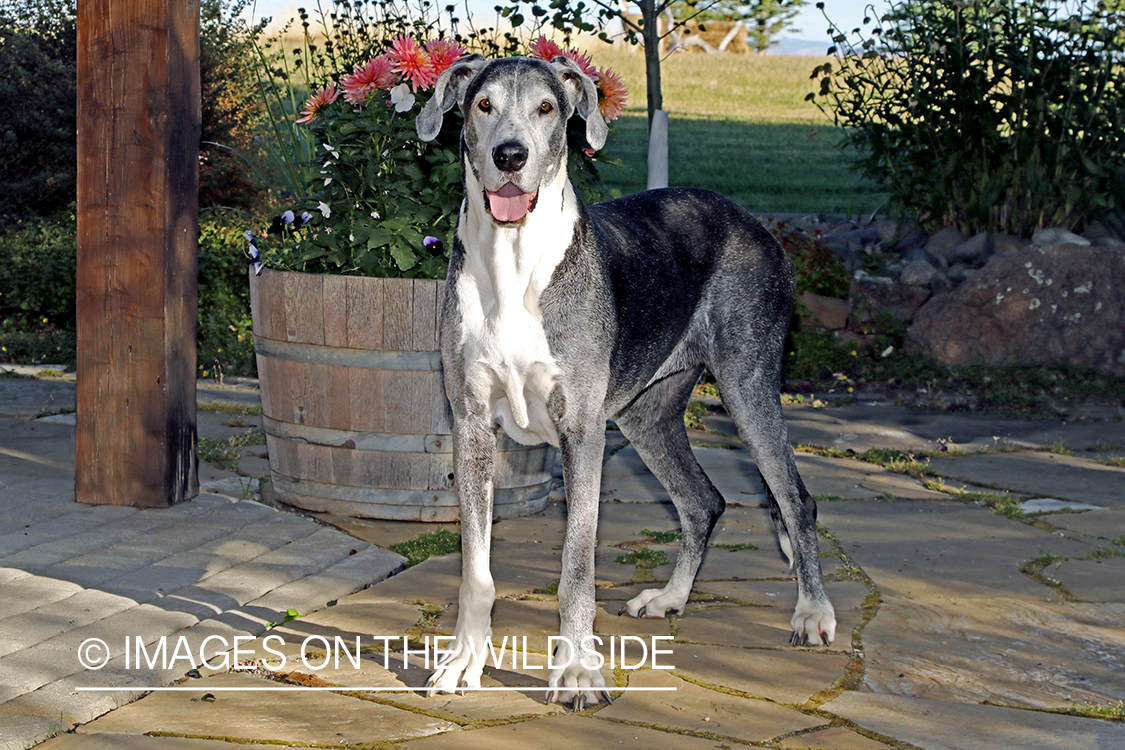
443, 53
545, 49
614, 94
318, 102
412, 62
583, 61
373, 75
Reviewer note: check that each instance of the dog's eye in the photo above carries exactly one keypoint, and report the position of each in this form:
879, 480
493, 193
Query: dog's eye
546, 108
484, 105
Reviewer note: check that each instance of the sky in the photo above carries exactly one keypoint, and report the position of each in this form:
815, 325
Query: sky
810, 24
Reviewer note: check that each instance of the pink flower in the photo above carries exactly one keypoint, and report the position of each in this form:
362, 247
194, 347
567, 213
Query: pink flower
583, 61
443, 53
377, 73
545, 49
614, 94
412, 62
317, 102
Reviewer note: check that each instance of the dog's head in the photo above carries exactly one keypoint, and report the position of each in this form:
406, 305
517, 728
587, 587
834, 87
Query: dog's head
516, 110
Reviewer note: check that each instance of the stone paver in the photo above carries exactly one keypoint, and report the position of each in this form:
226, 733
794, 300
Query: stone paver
266, 715
1040, 474
832, 738
696, 709
784, 676
942, 725
562, 733
952, 623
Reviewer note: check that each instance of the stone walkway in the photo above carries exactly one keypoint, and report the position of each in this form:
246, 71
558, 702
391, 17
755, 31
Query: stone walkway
942, 641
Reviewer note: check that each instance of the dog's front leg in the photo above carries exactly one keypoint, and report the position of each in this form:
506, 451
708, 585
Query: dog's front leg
474, 455
576, 677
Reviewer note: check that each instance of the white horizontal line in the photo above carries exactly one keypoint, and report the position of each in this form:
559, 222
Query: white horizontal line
205, 689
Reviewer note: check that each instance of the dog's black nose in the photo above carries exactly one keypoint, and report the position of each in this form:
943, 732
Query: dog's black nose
510, 156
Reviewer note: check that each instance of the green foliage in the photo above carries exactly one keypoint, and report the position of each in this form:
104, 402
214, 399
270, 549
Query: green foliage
819, 269
1002, 115
37, 273
231, 112
740, 546
645, 558
38, 144
813, 354
226, 452
662, 537
225, 337
424, 546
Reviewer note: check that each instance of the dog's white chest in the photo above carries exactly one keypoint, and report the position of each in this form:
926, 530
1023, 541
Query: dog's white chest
508, 362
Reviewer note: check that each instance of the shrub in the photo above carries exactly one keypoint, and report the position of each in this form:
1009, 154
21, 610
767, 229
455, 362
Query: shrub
1005, 115
37, 273
38, 164
819, 268
231, 111
226, 344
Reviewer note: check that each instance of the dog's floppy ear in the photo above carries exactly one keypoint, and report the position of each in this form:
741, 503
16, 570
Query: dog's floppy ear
583, 95
449, 90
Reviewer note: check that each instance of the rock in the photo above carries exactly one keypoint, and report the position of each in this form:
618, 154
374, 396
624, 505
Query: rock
1097, 230
843, 228
825, 312
1056, 304
957, 272
974, 250
914, 240
921, 254
1110, 242
1007, 243
852, 260
918, 273
942, 243
891, 228
1056, 236
900, 300
867, 278
858, 240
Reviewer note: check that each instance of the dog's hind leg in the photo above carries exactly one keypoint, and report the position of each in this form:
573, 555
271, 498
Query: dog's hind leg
654, 425
750, 395
474, 455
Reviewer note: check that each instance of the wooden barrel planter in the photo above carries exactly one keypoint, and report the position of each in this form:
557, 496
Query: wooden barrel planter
353, 405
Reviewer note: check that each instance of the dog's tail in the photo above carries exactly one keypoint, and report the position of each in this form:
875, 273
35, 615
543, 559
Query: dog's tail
778, 523
517, 401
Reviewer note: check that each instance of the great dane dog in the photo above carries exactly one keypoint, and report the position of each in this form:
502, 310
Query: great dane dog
558, 315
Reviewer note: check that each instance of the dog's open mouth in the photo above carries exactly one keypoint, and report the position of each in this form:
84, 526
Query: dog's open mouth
509, 204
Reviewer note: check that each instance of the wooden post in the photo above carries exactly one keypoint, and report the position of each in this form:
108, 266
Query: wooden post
138, 217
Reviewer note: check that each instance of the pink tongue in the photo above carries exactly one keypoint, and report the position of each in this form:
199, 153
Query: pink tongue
509, 203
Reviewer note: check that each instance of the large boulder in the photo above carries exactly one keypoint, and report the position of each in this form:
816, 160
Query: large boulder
1047, 304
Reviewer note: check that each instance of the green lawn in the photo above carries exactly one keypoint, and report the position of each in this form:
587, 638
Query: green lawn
738, 125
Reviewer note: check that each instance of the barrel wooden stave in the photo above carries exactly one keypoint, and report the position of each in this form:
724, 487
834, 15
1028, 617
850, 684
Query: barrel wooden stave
354, 406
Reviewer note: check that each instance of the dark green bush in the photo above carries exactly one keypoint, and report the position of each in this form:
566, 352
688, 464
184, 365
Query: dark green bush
37, 273
819, 268
1005, 115
38, 163
37, 295
226, 343
231, 110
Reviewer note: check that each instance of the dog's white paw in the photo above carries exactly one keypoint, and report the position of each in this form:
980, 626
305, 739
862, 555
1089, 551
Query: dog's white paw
577, 686
655, 603
814, 623
458, 669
